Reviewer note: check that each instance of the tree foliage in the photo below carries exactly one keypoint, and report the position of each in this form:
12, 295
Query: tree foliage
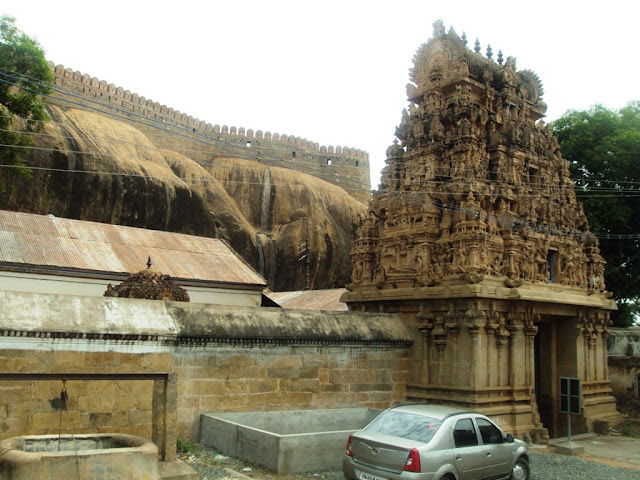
603, 150
24, 76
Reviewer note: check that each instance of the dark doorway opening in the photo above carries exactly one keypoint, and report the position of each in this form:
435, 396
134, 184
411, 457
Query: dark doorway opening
545, 376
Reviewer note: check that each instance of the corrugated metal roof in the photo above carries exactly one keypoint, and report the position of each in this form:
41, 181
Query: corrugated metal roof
311, 299
47, 241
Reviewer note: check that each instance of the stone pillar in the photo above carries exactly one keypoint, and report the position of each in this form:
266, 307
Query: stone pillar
440, 341
516, 349
164, 416
530, 332
502, 342
604, 361
425, 326
473, 364
492, 366
426, 354
474, 321
601, 359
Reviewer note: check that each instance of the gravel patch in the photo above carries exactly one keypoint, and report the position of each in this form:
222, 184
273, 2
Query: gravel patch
552, 466
544, 466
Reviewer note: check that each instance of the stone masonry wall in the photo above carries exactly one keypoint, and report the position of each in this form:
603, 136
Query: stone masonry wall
344, 166
286, 378
34, 406
223, 359
219, 379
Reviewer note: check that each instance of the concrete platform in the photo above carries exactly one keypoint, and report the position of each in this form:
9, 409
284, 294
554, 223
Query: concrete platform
614, 447
285, 441
569, 448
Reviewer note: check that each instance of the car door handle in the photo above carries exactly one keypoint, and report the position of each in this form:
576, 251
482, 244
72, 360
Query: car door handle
458, 457
488, 454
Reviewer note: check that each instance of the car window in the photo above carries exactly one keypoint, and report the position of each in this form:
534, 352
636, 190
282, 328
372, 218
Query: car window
490, 434
464, 434
405, 425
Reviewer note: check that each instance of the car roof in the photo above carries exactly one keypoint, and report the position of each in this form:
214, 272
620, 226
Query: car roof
436, 411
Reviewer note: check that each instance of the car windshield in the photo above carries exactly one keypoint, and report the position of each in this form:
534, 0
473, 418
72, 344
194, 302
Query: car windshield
405, 425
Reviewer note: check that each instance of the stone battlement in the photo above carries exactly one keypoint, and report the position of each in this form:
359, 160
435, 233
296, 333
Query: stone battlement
344, 166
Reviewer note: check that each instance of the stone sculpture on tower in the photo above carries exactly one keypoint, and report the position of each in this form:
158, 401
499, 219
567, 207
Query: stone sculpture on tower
476, 237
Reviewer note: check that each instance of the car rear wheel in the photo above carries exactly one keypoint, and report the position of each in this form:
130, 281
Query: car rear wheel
520, 470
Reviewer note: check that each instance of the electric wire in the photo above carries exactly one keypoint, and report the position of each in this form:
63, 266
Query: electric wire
405, 172
409, 198
161, 125
542, 188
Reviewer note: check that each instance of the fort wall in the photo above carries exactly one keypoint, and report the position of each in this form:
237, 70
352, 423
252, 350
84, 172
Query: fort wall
344, 166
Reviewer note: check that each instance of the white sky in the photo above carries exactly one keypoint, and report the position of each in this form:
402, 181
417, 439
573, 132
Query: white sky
332, 71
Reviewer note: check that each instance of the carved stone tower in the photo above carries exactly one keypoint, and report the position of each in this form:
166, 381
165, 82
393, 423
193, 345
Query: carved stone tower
476, 237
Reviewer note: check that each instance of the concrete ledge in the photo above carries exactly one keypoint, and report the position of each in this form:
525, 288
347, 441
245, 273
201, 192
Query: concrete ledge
28, 315
569, 448
194, 321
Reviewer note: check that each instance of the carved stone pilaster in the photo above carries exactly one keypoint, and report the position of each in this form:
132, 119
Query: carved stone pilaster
425, 326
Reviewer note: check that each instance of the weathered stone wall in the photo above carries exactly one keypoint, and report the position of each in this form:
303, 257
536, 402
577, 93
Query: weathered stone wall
344, 166
217, 379
34, 406
225, 359
272, 378
624, 362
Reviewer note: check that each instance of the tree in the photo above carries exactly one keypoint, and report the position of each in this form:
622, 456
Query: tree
603, 150
25, 75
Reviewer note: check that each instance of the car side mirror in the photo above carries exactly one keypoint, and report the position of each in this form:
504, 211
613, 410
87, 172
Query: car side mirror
509, 438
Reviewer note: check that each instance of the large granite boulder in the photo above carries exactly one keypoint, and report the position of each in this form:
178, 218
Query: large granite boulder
91, 166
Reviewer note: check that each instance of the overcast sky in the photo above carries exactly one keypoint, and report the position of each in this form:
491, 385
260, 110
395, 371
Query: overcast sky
332, 71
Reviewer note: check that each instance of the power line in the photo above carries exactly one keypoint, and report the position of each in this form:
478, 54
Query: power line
157, 124
108, 140
510, 220
186, 180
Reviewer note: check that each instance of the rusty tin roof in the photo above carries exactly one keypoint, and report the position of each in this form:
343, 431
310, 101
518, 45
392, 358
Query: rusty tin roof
55, 245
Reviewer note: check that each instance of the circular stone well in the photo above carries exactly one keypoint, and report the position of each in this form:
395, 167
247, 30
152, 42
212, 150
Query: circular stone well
96, 456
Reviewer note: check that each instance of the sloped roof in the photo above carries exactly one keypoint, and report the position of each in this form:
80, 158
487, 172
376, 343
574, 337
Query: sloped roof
53, 244
311, 299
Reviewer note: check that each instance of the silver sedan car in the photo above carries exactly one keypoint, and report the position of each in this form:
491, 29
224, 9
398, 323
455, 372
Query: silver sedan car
434, 442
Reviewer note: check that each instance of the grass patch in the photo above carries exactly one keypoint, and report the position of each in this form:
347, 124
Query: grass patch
629, 428
185, 448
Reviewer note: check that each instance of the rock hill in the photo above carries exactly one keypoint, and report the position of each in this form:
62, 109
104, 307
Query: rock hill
90, 166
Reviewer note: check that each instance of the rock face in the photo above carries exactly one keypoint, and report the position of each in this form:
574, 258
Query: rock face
90, 166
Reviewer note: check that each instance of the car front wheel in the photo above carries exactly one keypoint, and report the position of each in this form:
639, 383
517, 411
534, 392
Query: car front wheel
520, 470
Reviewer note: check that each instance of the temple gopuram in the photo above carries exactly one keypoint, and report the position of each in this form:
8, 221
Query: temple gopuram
475, 236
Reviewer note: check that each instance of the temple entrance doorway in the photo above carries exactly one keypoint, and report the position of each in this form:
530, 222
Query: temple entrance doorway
555, 356
546, 375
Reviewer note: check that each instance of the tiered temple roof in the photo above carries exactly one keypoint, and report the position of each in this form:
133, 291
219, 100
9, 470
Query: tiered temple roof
475, 185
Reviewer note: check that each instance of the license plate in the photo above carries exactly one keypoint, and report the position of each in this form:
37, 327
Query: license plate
368, 476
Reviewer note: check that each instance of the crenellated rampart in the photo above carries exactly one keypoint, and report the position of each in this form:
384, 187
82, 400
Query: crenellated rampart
341, 165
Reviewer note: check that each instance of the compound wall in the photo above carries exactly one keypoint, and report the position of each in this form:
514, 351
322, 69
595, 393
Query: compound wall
225, 359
